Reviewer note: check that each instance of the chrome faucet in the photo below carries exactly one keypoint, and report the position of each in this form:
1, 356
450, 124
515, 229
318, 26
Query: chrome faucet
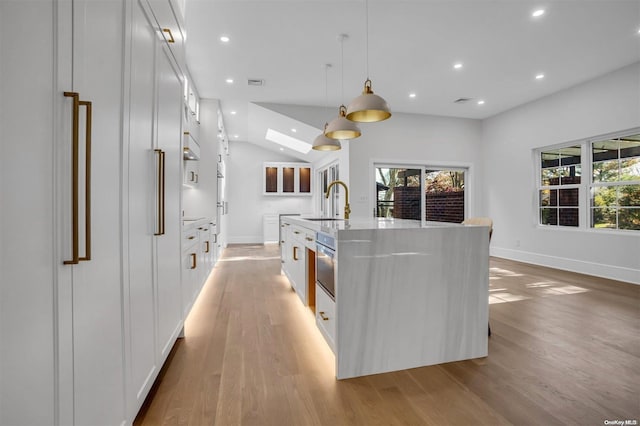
347, 209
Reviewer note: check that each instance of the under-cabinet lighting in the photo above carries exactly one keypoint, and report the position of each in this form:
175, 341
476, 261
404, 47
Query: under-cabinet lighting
287, 141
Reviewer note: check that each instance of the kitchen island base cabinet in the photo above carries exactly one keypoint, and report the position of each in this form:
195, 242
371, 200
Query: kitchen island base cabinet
326, 316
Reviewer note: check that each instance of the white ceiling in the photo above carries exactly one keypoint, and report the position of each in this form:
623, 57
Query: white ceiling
413, 46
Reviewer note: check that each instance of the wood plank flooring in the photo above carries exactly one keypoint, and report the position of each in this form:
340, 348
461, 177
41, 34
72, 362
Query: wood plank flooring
565, 349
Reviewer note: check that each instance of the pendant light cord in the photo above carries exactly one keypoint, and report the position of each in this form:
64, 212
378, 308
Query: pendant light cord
366, 20
342, 69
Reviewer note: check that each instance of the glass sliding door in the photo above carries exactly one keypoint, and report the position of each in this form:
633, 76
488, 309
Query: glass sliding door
398, 192
444, 195
420, 193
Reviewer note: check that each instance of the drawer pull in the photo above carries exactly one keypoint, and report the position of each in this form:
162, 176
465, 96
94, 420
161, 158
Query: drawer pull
170, 39
323, 316
191, 237
207, 243
295, 253
296, 232
193, 261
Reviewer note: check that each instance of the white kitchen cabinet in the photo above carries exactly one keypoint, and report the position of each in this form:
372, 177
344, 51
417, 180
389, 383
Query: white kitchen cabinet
191, 173
326, 316
168, 23
152, 207
89, 63
61, 313
270, 228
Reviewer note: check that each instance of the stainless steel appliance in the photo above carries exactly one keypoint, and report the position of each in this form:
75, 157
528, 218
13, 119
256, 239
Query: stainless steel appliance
325, 262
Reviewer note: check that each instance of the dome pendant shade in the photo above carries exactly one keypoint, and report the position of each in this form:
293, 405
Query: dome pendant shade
341, 128
368, 107
323, 143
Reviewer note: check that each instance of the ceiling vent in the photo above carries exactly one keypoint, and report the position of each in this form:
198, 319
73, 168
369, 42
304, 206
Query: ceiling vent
255, 82
461, 100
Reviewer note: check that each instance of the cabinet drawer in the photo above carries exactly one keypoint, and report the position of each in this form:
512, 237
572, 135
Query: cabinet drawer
310, 240
326, 316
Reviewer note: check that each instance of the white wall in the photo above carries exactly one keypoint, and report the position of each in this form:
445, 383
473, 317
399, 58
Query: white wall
247, 204
413, 139
607, 104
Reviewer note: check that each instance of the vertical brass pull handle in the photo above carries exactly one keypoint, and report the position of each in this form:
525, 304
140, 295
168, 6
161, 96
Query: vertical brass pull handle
162, 153
207, 243
168, 31
323, 316
295, 253
160, 194
193, 261
74, 179
87, 189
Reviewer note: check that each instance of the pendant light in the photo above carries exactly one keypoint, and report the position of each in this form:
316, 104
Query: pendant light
340, 127
321, 142
368, 107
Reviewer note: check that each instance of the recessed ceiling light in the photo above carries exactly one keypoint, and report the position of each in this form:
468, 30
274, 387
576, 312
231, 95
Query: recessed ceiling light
457, 65
412, 95
233, 113
293, 130
539, 76
224, 39
281, 149
229, 80
537, 13
236, 136
480, 102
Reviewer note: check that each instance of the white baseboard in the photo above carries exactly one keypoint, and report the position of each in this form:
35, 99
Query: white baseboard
619, 273
247, 239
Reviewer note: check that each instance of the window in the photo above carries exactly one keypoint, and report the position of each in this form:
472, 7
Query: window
329, 207
609, 195
420, 193
615, 186
560, 173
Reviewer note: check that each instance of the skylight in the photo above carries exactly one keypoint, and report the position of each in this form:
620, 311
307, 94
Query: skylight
287, 141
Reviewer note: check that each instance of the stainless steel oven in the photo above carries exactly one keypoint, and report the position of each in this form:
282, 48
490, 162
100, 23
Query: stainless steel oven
325, 262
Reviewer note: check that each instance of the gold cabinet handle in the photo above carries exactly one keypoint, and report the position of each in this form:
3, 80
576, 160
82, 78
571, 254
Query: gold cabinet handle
309, 239
160, 205
323, 316
207, 243
191, 237
170, 39
295, 253
296, 232
193, 261
75, 203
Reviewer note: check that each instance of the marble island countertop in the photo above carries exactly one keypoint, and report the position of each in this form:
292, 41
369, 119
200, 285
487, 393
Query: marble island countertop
332, 226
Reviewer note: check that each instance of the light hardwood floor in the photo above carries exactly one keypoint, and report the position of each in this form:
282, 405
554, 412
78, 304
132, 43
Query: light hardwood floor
565, 349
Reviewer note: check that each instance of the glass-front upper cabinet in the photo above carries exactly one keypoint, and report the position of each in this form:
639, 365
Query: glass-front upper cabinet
287, 179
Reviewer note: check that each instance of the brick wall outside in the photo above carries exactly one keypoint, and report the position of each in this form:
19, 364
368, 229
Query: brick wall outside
406, 202
440, 207
445, 206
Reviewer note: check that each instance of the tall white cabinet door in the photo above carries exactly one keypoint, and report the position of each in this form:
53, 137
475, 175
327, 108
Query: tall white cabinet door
169, 140
27, 264
140, 208
98, 383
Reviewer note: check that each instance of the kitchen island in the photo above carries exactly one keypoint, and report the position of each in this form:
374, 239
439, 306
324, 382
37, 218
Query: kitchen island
407, 294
